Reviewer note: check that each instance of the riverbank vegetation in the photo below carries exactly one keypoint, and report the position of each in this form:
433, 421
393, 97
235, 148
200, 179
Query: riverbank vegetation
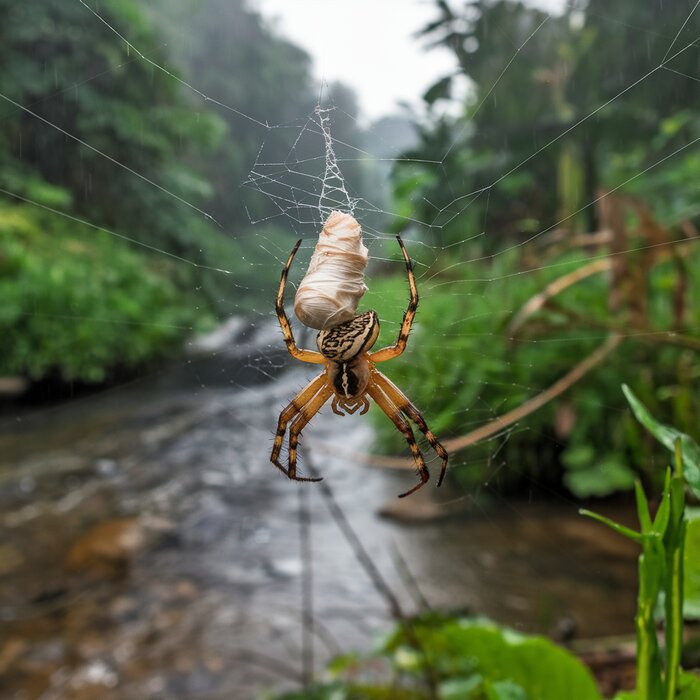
483, 360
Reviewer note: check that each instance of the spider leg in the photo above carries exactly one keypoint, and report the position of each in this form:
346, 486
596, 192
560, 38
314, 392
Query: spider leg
296, 405
396, 417
395, 350
303, 355
298, 424
405, 405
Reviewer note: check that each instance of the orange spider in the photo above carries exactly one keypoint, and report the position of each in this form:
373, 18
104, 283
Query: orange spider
351, 378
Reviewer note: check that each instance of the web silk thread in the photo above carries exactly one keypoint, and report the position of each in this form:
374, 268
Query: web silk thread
334, 194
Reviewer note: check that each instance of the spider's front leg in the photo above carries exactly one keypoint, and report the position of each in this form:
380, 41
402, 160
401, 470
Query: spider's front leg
392, 351
304, 355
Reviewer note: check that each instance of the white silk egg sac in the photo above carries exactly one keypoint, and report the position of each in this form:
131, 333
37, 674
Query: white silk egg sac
335, 281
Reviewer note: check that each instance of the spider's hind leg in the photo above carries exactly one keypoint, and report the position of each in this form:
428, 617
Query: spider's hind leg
406, 406
397, 418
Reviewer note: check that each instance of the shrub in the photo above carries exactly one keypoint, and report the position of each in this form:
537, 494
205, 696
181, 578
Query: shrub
79, 302
462, 370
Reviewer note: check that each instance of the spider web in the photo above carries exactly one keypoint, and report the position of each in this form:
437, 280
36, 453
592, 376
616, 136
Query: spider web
304, 189
294, 188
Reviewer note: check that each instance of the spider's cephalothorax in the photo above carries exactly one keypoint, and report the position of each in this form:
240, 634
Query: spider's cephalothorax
348, 370
351, 379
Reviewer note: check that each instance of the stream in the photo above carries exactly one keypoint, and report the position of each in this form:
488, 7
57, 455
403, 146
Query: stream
148, 548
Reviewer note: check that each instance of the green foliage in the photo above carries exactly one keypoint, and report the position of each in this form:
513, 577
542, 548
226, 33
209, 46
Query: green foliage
230, 54
107, 138
691, 565
77, 302
492, 662
351, 691
462, 371
112, 101
669, 188
688, 689
669, 438
506, 116
661, 574
548, 120
472, 660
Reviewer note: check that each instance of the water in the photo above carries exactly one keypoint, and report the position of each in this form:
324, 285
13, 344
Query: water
189, 584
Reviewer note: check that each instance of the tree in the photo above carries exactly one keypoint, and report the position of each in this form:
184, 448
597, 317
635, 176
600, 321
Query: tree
70, 70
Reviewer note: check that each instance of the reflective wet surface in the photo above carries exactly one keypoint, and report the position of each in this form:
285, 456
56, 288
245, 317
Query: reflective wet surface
148, 549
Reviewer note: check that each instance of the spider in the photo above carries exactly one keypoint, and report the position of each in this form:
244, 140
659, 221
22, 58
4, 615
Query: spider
350, 377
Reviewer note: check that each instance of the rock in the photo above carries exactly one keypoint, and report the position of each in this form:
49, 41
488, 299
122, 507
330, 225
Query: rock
13, 386
220, 339
284, 568
12, 650
109, 548
10, 559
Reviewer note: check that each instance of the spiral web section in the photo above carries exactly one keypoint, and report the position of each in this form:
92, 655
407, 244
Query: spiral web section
309, 183
334, 194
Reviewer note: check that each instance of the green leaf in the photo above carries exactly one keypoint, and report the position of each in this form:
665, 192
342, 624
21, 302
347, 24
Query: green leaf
439, 90
689, 687
642, 507
603, 478
578, 456
461, 688
343, 663
664, 511
691, 565
620, 529
507, 659
505, 690
667, 436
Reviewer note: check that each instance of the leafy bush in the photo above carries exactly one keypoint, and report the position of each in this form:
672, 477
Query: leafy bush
471, 659
462, 370
479, 659
79, 302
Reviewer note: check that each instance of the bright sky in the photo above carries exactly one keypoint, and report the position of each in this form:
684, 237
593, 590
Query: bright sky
368, 45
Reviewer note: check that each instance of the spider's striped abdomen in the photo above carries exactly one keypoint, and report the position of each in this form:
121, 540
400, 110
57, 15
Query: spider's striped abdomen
344, 342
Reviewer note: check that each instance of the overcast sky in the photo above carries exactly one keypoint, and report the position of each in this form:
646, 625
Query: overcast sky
368, 44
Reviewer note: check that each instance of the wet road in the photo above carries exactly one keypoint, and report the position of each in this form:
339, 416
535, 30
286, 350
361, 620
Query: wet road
148, 549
